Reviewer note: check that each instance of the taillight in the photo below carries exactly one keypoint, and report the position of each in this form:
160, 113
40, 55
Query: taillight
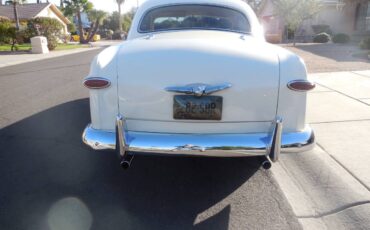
301, 85
96, 83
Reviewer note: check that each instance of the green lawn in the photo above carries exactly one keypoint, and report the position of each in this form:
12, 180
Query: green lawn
26, 47
7, 47
71, 46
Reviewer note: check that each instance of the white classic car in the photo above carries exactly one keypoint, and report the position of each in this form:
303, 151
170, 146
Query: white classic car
196, 77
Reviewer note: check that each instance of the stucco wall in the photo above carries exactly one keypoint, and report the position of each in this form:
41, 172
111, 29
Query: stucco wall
271, 24
340, 19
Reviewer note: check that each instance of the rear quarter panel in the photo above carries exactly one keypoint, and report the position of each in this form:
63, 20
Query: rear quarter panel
291, 104
103, 102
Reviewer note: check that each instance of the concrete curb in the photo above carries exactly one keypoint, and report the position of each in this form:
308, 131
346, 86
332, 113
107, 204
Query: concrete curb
322, 194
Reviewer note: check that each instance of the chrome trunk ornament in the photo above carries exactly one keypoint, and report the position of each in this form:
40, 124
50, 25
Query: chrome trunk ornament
198, 89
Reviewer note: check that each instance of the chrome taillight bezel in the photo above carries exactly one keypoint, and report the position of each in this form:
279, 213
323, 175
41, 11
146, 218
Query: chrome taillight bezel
96, 83
301, 85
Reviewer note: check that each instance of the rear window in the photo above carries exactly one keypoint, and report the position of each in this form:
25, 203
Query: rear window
184, 17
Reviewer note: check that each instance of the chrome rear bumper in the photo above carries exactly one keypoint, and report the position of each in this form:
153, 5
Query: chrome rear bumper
218, 145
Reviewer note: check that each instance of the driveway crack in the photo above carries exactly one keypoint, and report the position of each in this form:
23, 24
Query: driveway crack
344, 167
362, 75
334, 90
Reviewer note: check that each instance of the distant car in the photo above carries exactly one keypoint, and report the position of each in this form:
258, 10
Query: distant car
197, 78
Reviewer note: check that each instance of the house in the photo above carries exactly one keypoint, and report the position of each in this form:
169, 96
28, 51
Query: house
271, 22
342, 16
34, 10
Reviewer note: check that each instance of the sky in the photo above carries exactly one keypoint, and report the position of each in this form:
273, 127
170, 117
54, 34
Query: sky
106, 5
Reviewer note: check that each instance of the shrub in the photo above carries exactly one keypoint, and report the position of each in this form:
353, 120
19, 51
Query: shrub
321, 38
4, 19
52, 43
22, 37
321, 28
71, 28
117, 36
9, 35
49, 27
110, 34
5, 30
341, 38
365, 43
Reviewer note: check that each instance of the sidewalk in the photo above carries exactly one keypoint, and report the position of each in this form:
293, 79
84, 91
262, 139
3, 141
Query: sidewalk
329, 187
10, 59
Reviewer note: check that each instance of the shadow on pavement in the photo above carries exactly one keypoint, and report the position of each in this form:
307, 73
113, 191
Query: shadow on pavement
50, 180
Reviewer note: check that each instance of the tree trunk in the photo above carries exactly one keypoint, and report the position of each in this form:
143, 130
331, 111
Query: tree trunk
92, 34
16, 15
294, 36
119, 18
89, 31
80, 29
14, 42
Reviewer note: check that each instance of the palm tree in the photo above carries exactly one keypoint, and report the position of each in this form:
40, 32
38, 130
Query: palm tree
15, 3
120, 3
74, 8
96, 17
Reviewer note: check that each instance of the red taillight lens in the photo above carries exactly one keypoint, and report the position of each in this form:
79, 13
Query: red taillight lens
301, 85
96, 83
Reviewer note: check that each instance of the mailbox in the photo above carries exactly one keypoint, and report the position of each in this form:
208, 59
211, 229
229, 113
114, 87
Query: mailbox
39, 45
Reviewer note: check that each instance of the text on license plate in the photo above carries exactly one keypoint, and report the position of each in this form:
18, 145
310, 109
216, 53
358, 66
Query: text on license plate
197, 108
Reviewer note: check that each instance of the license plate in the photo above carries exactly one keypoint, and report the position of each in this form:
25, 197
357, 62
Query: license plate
197, 108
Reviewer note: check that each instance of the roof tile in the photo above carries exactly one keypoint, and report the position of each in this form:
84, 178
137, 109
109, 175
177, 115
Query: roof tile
25, 11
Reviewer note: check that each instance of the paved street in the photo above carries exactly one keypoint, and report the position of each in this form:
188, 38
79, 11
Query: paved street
16, 58
50, 180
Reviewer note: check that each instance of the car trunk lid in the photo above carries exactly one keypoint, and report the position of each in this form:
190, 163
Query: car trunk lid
147, 67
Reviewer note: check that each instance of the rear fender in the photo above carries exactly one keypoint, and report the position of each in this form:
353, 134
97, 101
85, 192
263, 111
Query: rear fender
291, 104
103, 102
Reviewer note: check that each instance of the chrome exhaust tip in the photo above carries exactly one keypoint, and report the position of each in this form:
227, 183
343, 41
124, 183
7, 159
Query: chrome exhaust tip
266, 164
125, 165
126, 161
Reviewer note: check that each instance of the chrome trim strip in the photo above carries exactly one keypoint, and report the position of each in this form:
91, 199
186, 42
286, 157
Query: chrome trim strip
198, 89
221, 145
